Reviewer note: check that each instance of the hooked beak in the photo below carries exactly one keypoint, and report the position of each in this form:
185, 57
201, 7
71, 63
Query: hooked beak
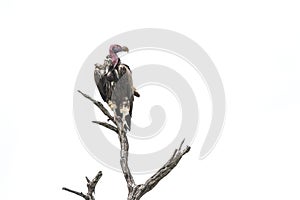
125, 49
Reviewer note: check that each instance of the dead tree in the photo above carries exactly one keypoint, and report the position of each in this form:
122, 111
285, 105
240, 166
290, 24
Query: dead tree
135, 191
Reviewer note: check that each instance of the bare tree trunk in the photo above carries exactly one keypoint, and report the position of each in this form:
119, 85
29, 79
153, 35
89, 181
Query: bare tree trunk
135, 192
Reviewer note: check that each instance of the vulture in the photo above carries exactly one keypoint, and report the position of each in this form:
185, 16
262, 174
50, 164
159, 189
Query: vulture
114, 82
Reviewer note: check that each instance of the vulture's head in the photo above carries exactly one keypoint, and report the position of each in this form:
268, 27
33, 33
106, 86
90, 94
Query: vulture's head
115, 48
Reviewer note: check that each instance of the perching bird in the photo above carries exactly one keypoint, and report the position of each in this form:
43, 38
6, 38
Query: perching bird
114, 82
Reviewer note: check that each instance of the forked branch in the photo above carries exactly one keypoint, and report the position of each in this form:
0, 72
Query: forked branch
91, 185
107, 125
135, 192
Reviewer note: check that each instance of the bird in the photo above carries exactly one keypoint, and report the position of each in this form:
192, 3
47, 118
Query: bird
115, 85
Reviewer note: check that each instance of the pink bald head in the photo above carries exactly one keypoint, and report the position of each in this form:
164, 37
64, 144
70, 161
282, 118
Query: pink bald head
113, 50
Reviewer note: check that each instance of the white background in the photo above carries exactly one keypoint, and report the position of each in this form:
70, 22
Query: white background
254, 44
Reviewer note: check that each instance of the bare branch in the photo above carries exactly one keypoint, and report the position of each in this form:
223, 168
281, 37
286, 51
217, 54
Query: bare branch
91, 185
161, 173
181, 145
100, 106
87, 179
107, 125
124, 159
75, 192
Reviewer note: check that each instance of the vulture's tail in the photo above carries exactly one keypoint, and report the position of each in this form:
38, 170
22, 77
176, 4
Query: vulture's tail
122, 113
125, 114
